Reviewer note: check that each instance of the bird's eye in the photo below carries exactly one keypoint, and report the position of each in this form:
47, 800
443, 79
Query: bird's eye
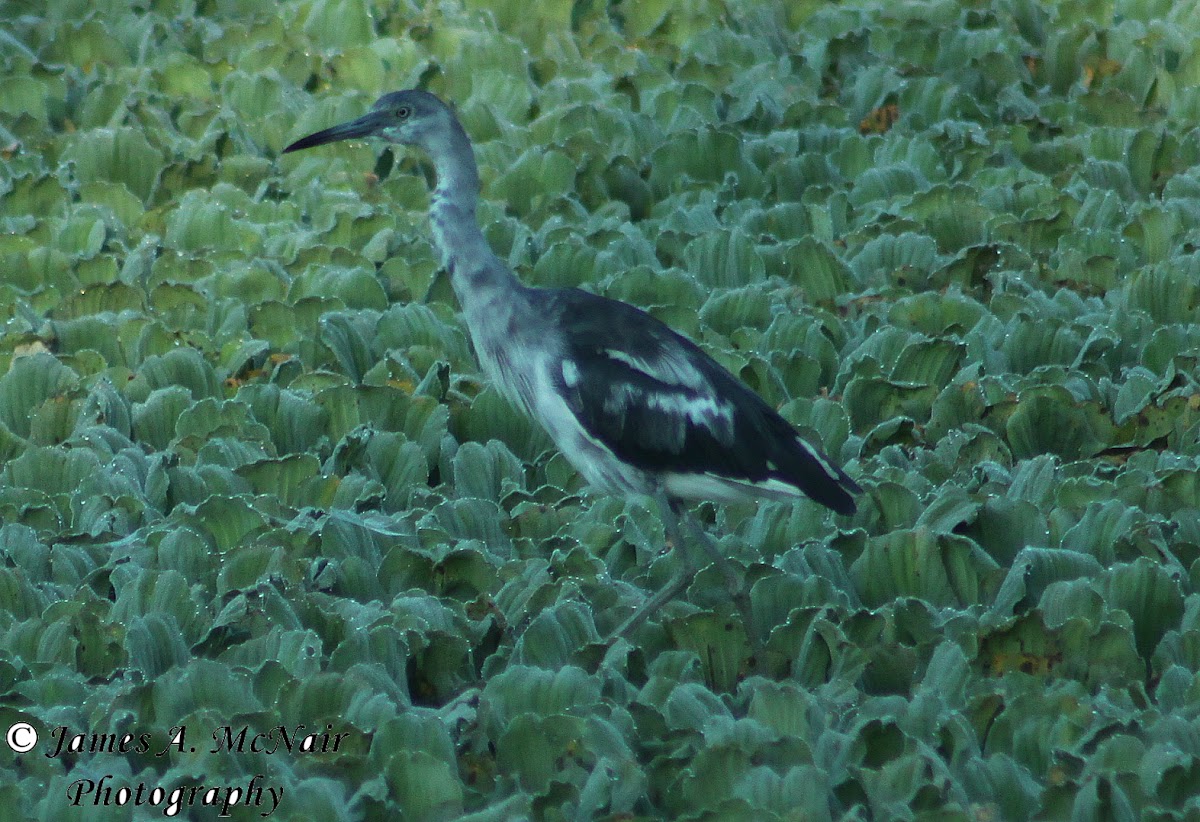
403, 112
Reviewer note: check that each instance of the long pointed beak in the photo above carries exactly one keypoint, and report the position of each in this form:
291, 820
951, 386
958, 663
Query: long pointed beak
364, 126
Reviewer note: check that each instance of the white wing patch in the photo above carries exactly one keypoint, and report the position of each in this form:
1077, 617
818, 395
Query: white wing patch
819, 459
590, 457
668, 369
704, 411
725, 490
570, 372
707, 411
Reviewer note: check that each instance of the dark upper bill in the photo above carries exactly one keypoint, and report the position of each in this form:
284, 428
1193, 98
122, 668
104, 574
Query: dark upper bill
364, 126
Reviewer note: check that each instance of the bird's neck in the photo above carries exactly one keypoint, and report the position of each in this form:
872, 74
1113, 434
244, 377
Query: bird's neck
457, 187
474, 269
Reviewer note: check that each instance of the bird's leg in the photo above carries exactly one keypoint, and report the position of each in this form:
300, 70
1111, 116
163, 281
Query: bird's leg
737, 590
673, 588
672, 513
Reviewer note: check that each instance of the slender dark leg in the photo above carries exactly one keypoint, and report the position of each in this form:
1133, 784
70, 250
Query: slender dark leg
672, 514
673, 588
738, 591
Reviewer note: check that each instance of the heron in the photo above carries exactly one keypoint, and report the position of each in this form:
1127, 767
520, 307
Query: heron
634, 406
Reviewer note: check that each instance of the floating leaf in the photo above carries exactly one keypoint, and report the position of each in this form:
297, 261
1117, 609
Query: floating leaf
348, 336
520, 689
942, 570
287, 477
491, 416
1047, 419
339, 24
29, 382
928, 362
53, 470
722, 649
184, 367
703, 156
870, 401
486, 471
295, 421
408, 326
1169, 292
400, 466
884, 184
119, 155
1152, 598
154, 644
536, 178
555, 636
724, 259
228, 520
100, 298
538, 748
354, 287
1036, 568
424, 786
813, 267
890, 258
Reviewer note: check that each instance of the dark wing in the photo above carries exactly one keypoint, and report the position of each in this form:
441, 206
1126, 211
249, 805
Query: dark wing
663, 405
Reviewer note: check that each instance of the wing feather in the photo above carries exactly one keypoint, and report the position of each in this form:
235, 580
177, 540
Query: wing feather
663, 405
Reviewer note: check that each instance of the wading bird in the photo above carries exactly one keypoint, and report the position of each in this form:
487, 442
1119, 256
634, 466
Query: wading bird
634, 406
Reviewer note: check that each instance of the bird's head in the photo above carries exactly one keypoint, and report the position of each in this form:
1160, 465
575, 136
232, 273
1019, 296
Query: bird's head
409, 117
